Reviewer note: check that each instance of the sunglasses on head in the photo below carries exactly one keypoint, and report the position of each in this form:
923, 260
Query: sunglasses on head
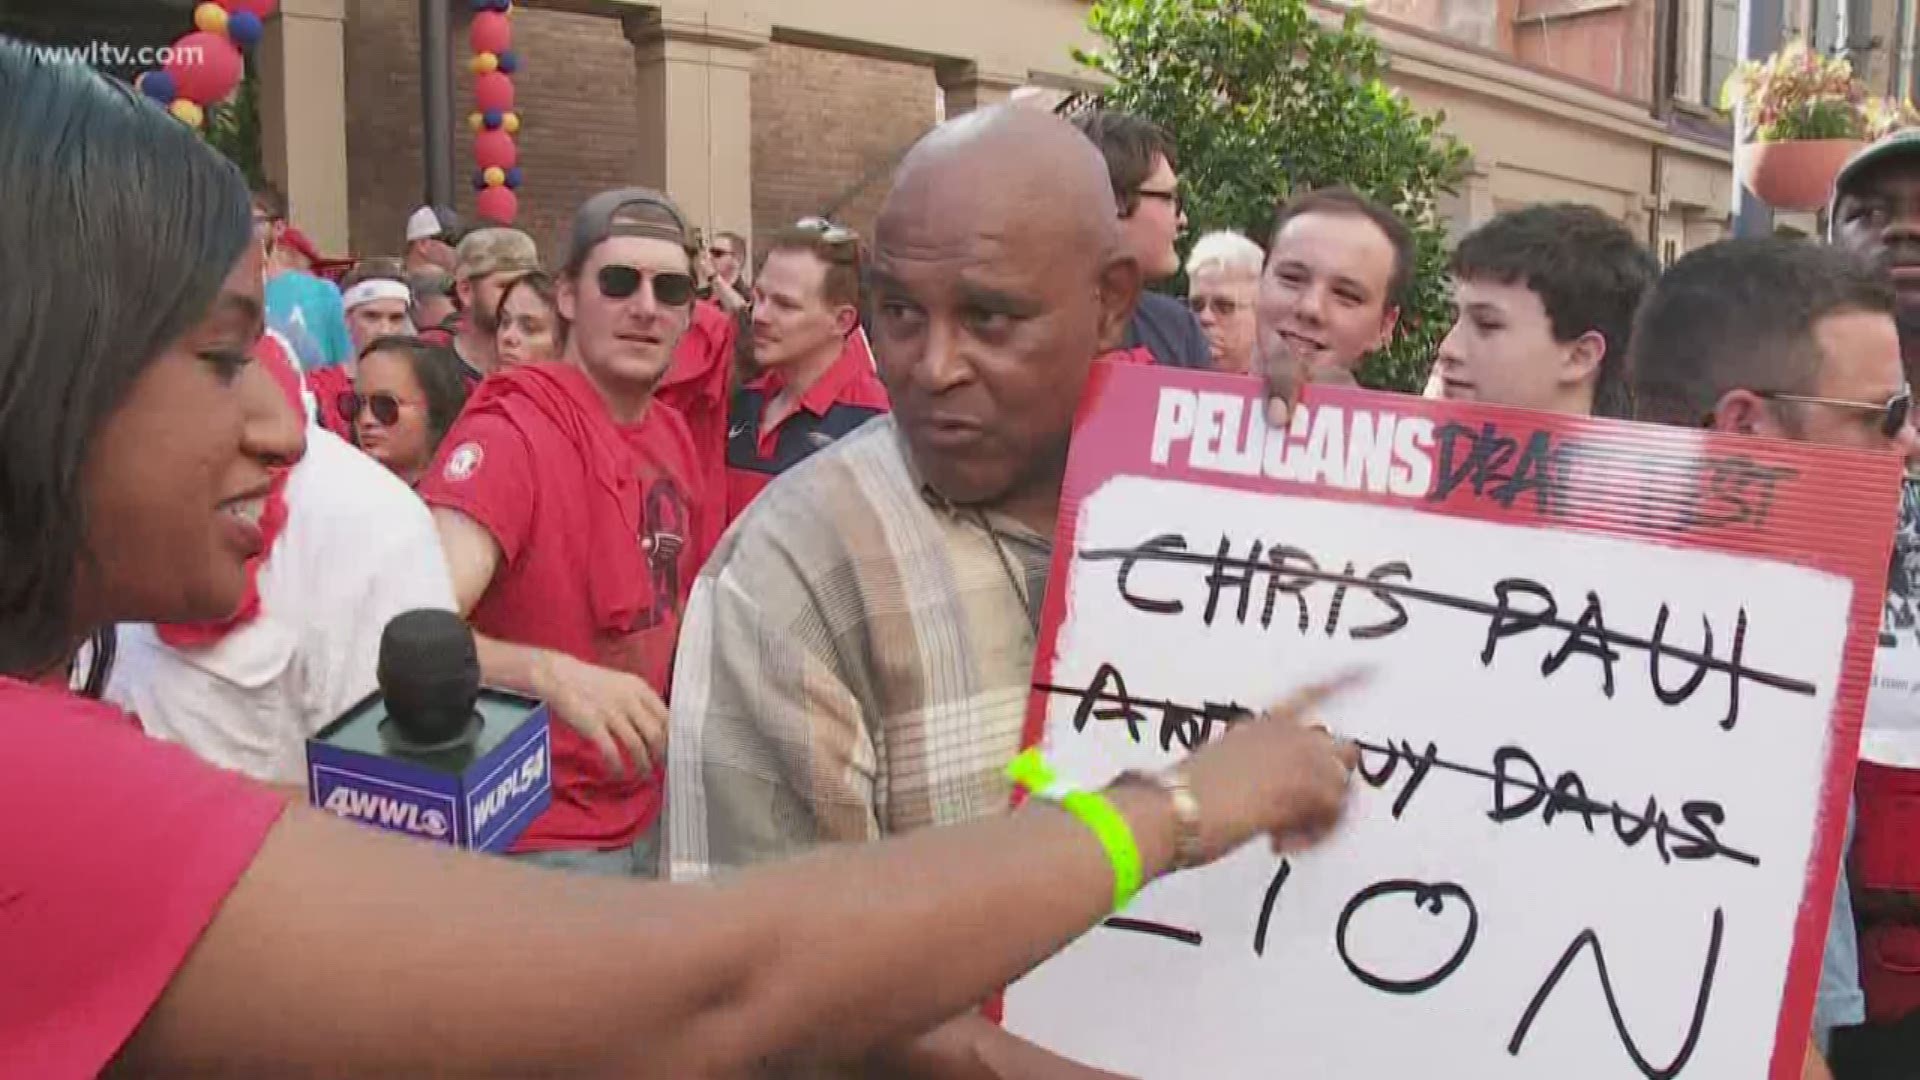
618, 282
386, 407
1895, 412
829, 232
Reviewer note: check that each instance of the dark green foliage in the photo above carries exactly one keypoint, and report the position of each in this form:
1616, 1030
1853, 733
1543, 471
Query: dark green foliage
1262, 100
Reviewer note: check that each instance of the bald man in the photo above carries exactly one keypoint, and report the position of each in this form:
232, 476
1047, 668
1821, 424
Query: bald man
857, 653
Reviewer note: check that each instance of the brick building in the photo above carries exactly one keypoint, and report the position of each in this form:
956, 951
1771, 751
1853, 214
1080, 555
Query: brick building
755, 112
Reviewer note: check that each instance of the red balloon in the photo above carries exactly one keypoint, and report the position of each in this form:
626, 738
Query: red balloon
491, 32
261, 8
205, 67
493, 92
498, 205
495, 149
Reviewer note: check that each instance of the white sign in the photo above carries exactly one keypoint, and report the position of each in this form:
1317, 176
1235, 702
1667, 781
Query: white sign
1597, 774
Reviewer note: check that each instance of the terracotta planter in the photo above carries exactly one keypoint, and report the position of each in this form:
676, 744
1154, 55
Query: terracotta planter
1793, 175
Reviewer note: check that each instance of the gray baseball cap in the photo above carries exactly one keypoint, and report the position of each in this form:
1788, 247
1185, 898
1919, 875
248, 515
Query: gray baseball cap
630, 211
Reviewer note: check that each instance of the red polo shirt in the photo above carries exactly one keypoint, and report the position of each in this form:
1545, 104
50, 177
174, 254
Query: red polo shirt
848, 395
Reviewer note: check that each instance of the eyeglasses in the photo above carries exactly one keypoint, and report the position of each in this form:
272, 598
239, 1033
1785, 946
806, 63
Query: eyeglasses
1894, 413
386, 407
1222, 307
618, 282
719, 253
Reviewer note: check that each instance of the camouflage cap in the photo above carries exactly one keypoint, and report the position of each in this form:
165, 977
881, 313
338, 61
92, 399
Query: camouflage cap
495, 251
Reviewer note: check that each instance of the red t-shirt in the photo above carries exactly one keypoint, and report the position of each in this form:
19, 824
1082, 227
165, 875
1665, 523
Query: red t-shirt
118, 850
530, 485
848, 395
696, 386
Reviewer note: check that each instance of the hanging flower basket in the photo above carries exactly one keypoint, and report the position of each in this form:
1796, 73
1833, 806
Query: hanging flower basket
1796, 174
1801, 115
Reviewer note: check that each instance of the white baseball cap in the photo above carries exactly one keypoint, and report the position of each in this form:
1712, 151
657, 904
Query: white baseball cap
429, 222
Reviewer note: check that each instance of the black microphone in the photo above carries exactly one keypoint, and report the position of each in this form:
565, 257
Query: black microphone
432, 753
430, 676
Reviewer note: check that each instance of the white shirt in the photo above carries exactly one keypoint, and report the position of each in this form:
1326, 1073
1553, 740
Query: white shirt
359, 548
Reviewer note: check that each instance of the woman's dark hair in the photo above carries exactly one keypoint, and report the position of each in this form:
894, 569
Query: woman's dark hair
542, 285
119, 226
437, 369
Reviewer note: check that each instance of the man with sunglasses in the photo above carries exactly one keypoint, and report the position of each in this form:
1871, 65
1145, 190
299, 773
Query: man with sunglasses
721, 270
569, 503
817, 381
1876, 214
1787, 340
1223, 278
1142, 169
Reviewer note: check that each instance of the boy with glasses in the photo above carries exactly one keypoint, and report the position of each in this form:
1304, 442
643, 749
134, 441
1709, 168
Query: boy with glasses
1142, 167
570, 506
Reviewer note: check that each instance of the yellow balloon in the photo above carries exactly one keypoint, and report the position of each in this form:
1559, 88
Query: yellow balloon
476, 121
495, 176
484, 64
187, 112
510, 123
210, 17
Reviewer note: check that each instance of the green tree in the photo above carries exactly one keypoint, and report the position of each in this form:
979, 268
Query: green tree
1262, 100
233, 128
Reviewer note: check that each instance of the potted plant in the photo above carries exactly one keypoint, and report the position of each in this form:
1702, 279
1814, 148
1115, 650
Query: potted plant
1801, 116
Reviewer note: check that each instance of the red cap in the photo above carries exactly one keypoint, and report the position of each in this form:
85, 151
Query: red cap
332, 269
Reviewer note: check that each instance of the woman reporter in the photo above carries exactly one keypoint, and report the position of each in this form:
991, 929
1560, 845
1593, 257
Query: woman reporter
167, 918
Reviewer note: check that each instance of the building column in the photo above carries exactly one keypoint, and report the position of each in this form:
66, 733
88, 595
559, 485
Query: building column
695, 97
970, 84
303, 116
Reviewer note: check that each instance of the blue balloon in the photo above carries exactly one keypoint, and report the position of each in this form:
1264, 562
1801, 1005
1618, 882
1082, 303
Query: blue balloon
513, 177
492, 119
482, 5
509, 62
503, 6
158, 85
244, 28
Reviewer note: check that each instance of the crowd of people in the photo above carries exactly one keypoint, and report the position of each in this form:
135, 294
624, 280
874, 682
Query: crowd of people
771, 540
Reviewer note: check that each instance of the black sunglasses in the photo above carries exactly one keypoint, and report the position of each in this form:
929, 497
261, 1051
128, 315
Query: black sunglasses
618, 282
386, 407
1894, 413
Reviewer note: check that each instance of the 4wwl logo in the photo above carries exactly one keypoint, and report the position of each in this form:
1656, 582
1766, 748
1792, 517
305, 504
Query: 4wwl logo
387, 812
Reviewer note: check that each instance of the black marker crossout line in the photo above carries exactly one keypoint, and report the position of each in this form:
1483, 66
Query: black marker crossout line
1128, 705
1482, 608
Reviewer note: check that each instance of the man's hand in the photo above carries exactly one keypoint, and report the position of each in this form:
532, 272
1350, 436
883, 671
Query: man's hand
1282, 775
616, 711
1287, 375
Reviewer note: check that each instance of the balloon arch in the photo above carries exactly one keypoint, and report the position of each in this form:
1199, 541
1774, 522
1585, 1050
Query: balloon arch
204, 68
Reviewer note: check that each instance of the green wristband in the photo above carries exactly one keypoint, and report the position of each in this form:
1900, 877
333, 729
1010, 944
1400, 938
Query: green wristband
1032, 773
